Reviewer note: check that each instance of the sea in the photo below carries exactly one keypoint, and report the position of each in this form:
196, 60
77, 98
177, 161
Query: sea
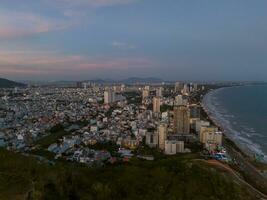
242, 112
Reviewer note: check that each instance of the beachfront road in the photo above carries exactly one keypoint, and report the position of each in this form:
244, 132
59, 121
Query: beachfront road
247, 169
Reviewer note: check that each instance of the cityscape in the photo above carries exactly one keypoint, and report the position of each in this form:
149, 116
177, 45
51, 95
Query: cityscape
133, 100
128, 116
102, 125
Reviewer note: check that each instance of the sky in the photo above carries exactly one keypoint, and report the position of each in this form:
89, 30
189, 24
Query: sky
223, 40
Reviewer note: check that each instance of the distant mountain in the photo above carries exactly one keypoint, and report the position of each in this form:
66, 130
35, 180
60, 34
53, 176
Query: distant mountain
4, 83
135, 80
128, 81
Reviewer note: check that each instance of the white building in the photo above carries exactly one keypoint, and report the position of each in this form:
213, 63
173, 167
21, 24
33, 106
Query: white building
159, 91
180, 100
109, 96
156, 104
172, 147
162, 133
152, 139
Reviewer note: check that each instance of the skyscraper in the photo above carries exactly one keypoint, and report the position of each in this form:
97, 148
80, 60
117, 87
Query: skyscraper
156, 104
109, 96
178, 87
181, 120
180, 100
186, 89
162, 132
145, 93
195, 111
159, 91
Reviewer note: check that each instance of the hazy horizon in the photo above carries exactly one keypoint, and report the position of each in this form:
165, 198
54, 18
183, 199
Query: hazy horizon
116, 39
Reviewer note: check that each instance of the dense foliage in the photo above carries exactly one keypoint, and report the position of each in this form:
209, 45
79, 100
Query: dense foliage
177, 177
4, 83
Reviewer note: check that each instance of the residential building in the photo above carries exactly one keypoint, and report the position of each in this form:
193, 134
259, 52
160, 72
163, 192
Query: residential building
210, 137
162, 133
109, 96
156, 104
172, 147
181, 120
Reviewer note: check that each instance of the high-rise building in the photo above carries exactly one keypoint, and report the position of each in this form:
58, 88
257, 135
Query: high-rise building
195, 111
123, 88
207, 134
186, 89
180, 100
162, 133
201, 123
79, 84
195, 87
181, 120
159, 91
84, 85
172, 147
109, 97
152, 139
156, 104
210, 137
145, 93
178, 87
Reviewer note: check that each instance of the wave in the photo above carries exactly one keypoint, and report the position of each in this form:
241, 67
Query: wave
224, 119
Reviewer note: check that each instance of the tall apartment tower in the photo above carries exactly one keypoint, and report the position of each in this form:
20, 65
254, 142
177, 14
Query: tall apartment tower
145, 93
181, 120
109, 96
180, 100
156, 104
162, 133
178, 87
159, 91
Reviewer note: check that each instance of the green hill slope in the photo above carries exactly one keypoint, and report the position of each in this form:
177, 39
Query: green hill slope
4, 83
168, 178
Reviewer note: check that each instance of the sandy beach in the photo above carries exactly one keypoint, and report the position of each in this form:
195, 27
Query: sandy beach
212, 108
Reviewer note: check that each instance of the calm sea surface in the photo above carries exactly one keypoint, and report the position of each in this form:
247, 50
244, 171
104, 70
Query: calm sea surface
243, 111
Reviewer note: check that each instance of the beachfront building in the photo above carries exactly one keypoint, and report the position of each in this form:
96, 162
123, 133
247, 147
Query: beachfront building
162, 133
173, 147
181, 120
210, 137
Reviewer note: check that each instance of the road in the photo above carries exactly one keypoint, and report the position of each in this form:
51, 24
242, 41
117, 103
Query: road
247, 168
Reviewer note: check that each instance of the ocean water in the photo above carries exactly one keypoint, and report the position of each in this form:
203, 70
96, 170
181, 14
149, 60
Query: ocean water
242, 111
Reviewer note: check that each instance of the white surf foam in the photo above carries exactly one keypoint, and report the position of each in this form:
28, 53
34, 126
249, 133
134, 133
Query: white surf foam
220, 116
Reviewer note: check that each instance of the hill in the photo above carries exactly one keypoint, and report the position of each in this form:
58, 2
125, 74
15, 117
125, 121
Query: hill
178, 177
5, 83
135, 80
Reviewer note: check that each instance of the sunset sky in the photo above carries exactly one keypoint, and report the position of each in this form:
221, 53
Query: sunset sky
169, 39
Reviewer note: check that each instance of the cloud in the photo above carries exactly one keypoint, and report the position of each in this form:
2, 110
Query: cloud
91, 3
19, 24
28, 63
67, 13
122, 45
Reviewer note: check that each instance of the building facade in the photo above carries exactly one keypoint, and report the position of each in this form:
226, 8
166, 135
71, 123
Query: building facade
181, 120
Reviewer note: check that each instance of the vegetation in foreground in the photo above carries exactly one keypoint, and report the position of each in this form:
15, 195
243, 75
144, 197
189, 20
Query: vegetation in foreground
167, 178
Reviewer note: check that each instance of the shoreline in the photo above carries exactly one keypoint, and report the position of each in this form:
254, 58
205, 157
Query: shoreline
246, 146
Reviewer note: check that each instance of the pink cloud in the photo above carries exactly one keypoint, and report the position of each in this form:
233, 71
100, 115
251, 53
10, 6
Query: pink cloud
91, 3
34, 62
19, 24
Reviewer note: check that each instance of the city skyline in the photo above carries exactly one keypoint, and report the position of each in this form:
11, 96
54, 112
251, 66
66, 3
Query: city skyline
117, 39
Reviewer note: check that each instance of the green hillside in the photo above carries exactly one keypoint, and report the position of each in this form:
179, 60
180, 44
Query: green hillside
179, 177
4, 83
